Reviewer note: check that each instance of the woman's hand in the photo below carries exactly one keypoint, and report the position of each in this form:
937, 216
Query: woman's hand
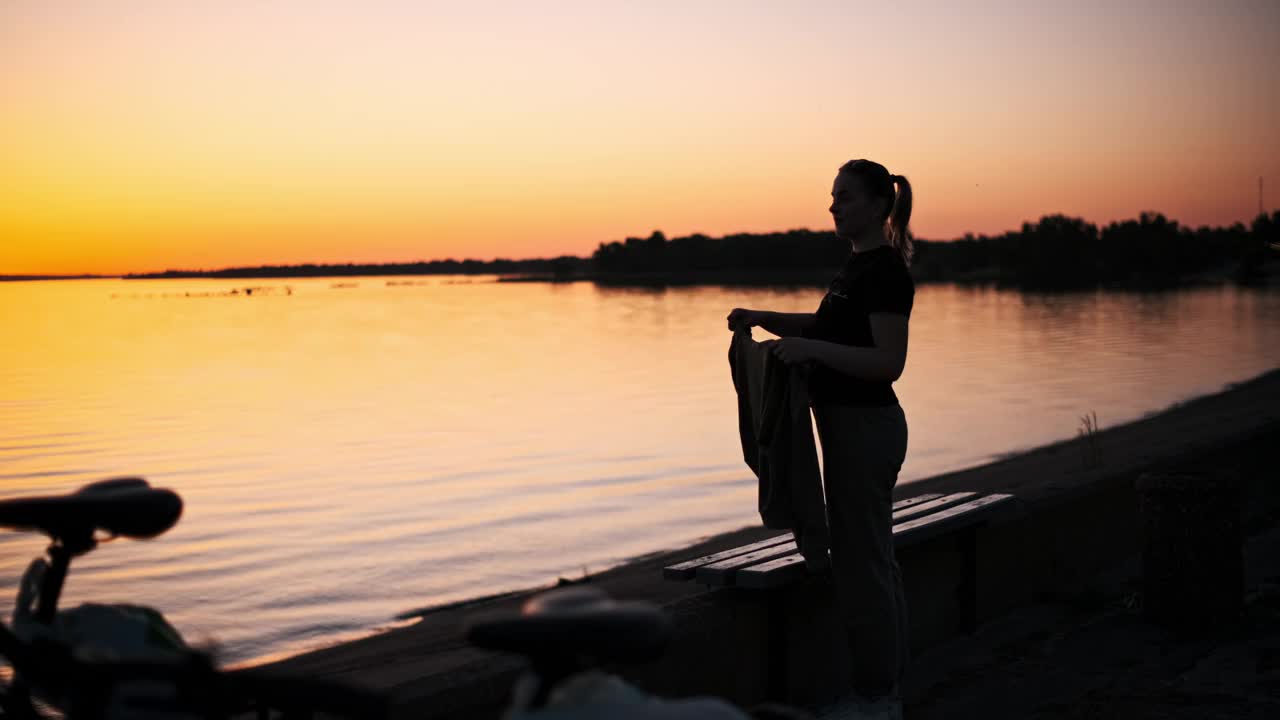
793, 350
743, 319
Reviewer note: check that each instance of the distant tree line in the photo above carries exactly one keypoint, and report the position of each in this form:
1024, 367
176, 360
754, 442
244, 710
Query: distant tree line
1056, 252
1065, 252
791, 249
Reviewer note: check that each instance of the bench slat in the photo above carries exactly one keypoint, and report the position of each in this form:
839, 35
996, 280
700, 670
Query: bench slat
931, 506
911, 501
778, 571
688, 569
721, 573
970, 513
783, 570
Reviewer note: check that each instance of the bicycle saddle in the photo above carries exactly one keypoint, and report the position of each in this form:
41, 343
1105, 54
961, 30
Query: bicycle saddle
125, 506
577, 620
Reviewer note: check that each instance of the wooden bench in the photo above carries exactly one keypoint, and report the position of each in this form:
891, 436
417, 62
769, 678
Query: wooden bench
766, 569
776, 563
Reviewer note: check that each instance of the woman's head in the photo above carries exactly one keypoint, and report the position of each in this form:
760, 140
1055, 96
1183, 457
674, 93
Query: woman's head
863, 197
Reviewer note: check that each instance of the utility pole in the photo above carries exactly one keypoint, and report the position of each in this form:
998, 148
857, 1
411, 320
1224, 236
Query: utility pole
1260, 210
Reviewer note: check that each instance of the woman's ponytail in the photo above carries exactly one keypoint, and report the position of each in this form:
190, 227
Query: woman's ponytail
899, 237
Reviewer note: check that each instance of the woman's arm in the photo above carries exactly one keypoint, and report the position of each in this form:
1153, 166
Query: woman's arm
785, 324
885, 361
780, 324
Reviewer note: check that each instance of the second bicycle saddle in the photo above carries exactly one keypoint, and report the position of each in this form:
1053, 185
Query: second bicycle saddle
578, 620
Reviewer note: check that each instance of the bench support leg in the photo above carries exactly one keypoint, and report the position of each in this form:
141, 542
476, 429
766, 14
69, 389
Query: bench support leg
967, 602
776, 646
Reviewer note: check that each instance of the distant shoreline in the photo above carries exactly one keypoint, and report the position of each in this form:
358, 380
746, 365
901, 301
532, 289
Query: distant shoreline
811, 277
34, 278
1269, 277
1055, 253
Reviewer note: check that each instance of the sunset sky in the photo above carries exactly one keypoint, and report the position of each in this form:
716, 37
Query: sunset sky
140, 136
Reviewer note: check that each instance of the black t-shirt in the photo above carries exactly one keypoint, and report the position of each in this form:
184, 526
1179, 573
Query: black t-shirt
873, 281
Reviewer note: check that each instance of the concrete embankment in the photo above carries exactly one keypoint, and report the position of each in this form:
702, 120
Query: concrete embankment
1076, 519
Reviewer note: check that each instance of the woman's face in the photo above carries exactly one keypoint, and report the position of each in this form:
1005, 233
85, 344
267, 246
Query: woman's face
852, 207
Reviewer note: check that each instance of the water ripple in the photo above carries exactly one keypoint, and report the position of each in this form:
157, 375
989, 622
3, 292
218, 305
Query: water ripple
345, 460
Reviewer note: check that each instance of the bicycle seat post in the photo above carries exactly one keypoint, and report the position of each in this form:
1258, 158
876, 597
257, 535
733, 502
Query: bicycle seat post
60, 554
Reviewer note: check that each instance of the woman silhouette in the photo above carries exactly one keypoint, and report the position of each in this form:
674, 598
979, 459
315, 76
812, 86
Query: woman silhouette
856, 344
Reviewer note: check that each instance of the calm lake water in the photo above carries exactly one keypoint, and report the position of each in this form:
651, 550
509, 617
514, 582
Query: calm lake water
350, 450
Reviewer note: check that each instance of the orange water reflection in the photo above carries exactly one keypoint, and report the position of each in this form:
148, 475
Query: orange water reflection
347, 453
